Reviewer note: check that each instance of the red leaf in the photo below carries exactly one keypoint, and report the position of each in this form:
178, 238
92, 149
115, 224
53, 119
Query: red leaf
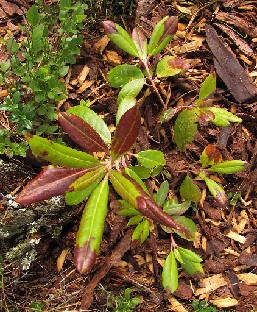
179, 63
213, 153
149, 207
126, 132
84, 258
82, 133
139, 38
50, 182
109, 27
170, 27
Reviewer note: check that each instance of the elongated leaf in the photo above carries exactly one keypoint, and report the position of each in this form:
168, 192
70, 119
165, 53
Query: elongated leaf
216, 190
140, 42
150, 209
120, 75
185, 128
208, 86
229, 166
171, 66
135, 220
170, 273
210, 156
141, 231
131, 89
50, 182
33, 15
76, 197
120, 37
134, 176
151, 158
222, 116
82, 133
124, 106
162, 193
93, 119
194, 269
189, 190
126, 132
142, 172
189, 255
125, 188
88, 178
162, 34
173, 208
184, 223
127, 210
61, 155
89, 236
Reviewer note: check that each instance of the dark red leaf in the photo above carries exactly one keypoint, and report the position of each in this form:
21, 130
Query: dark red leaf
179, 63
82, 133
139, 37
170, 27
213, 153
126, 132
147, 206
50, 182
109, 27
84, 258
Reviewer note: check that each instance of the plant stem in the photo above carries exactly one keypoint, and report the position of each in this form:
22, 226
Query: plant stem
145, 62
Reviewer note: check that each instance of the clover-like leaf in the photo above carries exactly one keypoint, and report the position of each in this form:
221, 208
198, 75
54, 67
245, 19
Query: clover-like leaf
162, 34
82, 133
126, 132
189, 190
121, 38
89, 236
120, 75
50, 182
170, 273
61, 155
185, 128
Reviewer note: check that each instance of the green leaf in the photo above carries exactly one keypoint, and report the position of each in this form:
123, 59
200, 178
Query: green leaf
229, 166
170, 274
189, 255
61, 155
185, 128
63, 71
131, 89
5, 65
142, 172
216, 190
194, 269
186, 224
37, 38
210, 156
151, 158
208, 86
172, 207
140, 42
222, 116
162, 34
120, 75
120, 37
127, 210
135, 220
141, 231
33, 15
126, 189
93, 119
162, 193
76, 197
189, 190
89, 236
170, 66
134, 176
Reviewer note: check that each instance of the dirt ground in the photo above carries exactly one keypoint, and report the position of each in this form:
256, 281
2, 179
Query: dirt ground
37, 242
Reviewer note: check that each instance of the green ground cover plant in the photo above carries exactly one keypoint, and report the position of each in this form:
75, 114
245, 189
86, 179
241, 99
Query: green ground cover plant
34, 74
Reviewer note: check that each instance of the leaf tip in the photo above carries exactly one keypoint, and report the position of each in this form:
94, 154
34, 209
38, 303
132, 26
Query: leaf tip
109, 27
84, 258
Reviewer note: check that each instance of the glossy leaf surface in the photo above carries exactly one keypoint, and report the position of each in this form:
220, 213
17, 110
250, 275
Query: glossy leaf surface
151, 158
185, 128
229, 166
124, 187
120, 37
61, 155
130, 89
93, 119
171, 66
189, 190
124, 106
50, 182
89, 236
126, 132
162, 34
82, 133
120, 75
170, 273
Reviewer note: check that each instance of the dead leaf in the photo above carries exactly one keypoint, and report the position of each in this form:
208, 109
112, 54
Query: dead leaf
236, 237
61, 259
101, 44
113, 58
248, 278
210, 284
224, 302
176, 306
87, 84
83, 74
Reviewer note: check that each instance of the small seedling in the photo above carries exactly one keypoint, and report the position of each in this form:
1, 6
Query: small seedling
124, 302
202, 306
